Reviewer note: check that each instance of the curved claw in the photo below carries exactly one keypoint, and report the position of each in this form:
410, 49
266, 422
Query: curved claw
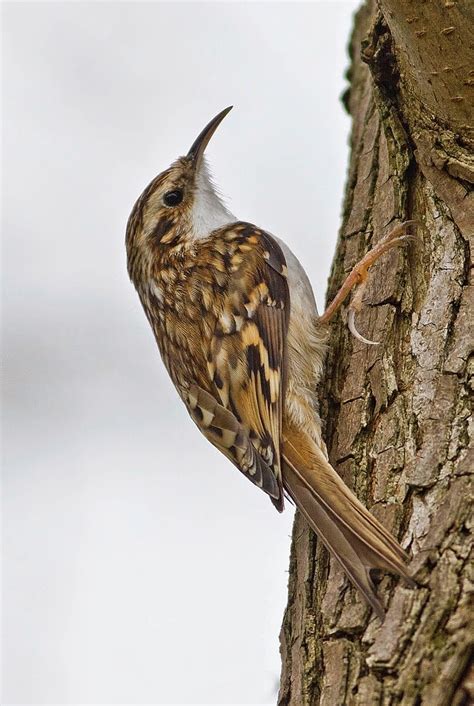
359, 273
399, 232
352, 328
407, 236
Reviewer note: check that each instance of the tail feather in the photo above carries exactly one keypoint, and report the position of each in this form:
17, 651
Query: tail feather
356, 539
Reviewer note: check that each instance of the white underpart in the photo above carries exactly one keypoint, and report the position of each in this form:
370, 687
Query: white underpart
306, 349
208, 211
301, 291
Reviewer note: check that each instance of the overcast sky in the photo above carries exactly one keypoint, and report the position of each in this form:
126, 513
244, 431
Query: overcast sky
139, 566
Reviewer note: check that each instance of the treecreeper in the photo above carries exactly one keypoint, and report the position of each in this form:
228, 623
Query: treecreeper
236, 323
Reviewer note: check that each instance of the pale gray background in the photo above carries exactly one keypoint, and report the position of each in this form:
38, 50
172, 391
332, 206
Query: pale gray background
139, 566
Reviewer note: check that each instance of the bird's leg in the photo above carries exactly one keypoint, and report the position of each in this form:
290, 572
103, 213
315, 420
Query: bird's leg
358, 276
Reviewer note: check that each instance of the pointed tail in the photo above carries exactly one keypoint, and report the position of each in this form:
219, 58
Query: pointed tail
356, 539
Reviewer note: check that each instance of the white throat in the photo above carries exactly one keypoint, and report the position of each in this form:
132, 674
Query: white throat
208, 211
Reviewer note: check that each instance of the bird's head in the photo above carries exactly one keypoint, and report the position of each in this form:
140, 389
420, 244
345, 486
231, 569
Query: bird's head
180, 205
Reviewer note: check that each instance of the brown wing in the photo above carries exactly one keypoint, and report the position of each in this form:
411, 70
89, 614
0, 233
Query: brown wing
248, 351
223, 430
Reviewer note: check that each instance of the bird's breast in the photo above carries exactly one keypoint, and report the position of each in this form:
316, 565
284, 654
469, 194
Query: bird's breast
306, 346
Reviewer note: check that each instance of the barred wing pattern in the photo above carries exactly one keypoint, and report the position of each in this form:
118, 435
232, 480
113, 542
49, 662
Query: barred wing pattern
224, 431
246, 361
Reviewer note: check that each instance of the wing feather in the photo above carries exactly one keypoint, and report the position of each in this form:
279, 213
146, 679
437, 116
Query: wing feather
223, 430
248, 351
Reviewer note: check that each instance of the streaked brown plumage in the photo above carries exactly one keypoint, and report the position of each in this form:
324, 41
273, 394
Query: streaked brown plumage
237, 327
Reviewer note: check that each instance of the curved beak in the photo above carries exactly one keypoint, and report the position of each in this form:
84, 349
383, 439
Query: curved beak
202, 140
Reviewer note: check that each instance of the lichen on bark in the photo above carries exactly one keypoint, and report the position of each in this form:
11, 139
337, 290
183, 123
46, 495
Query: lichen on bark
398, 416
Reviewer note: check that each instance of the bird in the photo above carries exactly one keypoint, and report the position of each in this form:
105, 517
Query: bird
235, 319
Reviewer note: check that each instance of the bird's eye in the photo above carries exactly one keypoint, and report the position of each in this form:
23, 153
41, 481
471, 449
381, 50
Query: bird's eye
173, 198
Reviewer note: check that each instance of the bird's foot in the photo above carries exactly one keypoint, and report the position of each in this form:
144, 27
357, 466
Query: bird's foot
359, 275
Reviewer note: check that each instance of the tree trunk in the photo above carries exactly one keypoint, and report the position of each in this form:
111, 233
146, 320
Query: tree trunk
397, 415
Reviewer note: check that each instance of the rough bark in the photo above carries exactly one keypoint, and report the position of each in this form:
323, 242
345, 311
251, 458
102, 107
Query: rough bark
398, 420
